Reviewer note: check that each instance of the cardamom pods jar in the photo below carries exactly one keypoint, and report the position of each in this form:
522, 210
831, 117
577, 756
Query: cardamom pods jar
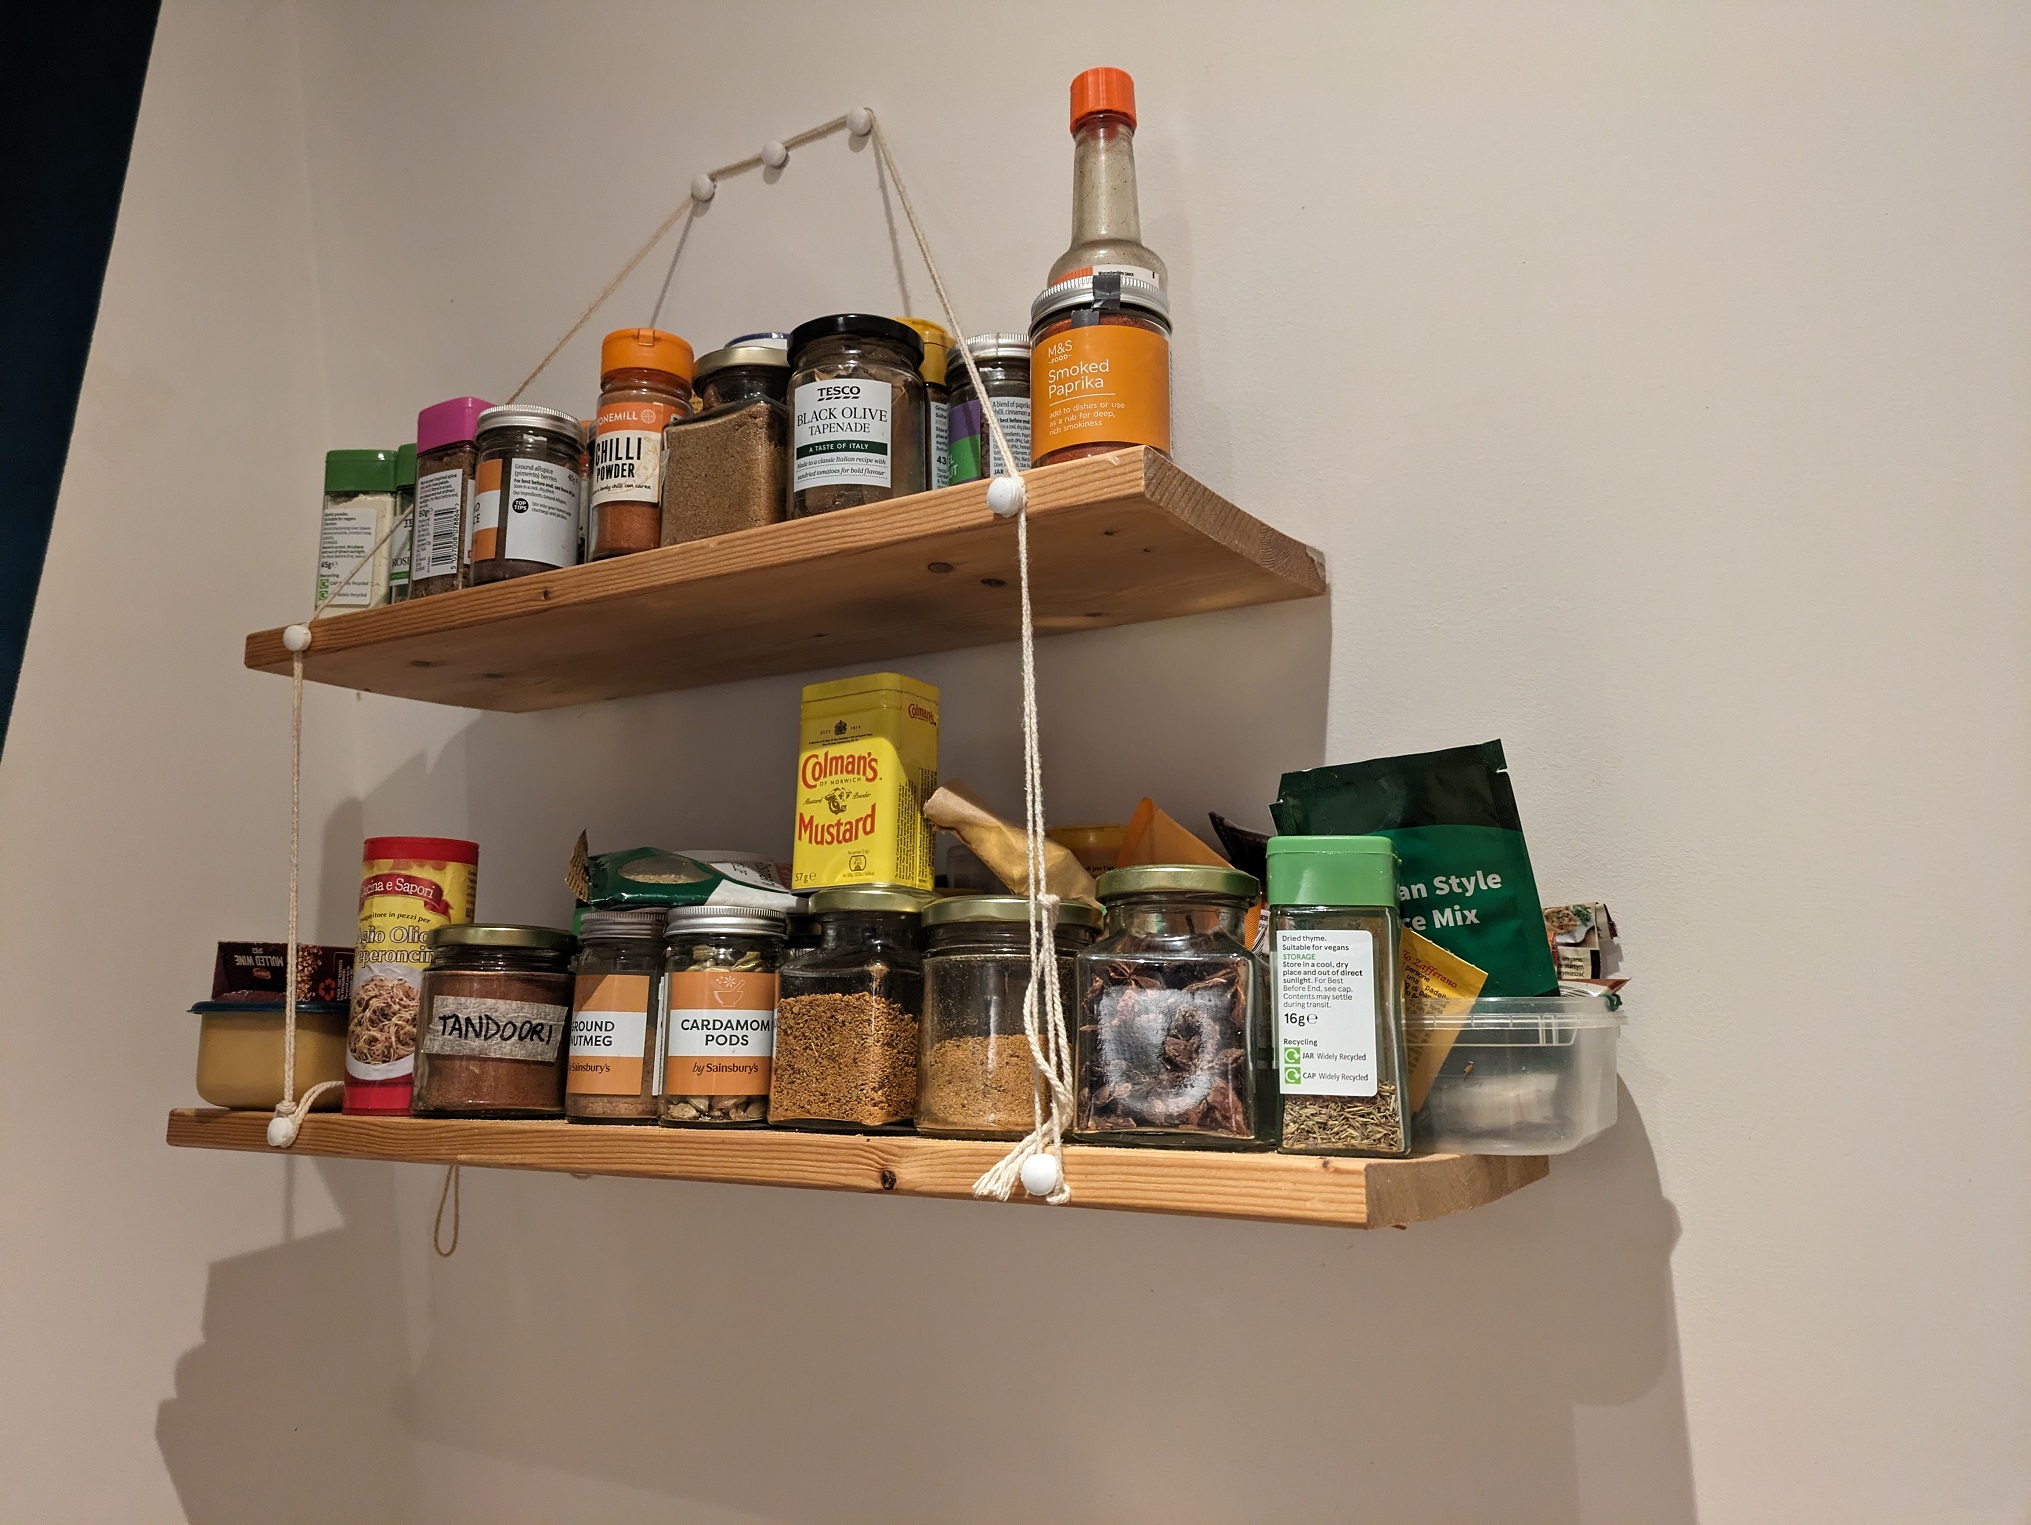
526, 505
616, 1018
719, 1017
859, 413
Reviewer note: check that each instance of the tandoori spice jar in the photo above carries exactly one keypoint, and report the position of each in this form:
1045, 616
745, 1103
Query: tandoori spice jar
720, 967
496, 1009
526, 499
859, 415
1100, 369
728, 468
447, 459
644, 383
616, 1017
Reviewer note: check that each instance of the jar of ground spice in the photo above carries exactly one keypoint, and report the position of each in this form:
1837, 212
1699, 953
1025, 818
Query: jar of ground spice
937, 397
728, 468
644, 382
859, 415
495, 1010
526, 495
447, 459
721, 963
1003, 361
846, 1019
1100, 375
975, 1072
616, 1018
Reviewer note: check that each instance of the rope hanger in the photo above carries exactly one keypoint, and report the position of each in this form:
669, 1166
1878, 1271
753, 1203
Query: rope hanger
1037, 1160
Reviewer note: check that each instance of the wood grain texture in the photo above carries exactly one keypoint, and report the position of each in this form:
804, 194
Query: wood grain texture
1272, 1187
1114, 540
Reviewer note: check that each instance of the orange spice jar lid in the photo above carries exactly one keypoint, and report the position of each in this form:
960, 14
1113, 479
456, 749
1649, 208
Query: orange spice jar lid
1103, 91
645, 349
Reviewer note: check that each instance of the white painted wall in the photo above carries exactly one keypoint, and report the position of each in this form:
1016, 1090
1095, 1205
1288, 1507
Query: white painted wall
1654, 378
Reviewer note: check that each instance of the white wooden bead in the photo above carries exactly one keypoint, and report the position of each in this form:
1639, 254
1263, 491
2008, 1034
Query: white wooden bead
775, 155
1041, 1174
1006, 496
703, 187
296, 637
281, 1131
860, 121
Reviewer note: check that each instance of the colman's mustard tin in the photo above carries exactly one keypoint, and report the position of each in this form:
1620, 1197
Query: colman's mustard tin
867, 761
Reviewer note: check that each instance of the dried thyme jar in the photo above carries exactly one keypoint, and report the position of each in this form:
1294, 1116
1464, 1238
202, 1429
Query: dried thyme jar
525, 515
975, 1073
616, 1018
859, 414
495, 1009
846, 1023
728, 468
720, 1013
1003, 361
1172, 1044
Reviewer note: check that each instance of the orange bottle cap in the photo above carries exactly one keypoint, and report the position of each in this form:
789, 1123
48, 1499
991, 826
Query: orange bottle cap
1098, 90
645, 349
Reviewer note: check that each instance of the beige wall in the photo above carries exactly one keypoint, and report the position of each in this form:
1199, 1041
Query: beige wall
1654, 379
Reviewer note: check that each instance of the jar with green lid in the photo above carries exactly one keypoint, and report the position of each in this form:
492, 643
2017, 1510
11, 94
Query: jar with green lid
616, 1018
1003, 361
1336, 991
526, 501
1172, 1042
859, 414
847, 1018
728, 467
492, 1019
937, 397
719, 1017
359, 506
976, 1075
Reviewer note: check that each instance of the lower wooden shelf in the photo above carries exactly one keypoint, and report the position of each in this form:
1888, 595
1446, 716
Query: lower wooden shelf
1273, 1187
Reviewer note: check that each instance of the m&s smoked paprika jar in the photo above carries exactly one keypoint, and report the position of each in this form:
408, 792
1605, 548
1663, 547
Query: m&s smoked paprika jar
1100, 367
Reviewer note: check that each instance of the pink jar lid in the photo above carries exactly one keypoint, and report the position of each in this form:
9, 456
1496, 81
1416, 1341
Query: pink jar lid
446, 423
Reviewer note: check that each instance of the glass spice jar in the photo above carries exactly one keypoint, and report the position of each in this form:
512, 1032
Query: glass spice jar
859, 415
727, 468
1004, 364
525, 515
644, 383
720, 1014
937, 398
495, 1008
359, 500
1101, 373
446, 461
976, 1075
1171, 1047
402, 542
1336, 983
846, 1022
616, 1018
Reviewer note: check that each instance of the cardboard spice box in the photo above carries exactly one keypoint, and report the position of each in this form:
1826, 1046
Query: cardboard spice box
254, 972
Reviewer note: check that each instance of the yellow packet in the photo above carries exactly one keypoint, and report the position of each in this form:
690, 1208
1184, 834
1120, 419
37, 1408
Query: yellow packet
1435, 984
867, 761
1002, 846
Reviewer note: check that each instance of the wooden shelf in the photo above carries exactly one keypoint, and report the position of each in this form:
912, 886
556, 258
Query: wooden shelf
1274, 1187
1114, 540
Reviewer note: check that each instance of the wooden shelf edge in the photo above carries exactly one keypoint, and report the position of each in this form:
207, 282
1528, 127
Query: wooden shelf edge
1277, 1188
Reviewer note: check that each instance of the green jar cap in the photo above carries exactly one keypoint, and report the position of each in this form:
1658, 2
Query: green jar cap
1177, 879
359, 471
1332, 871
405, 466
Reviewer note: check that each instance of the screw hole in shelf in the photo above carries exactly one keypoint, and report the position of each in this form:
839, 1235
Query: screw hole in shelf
419, 662
493, 675
888, 1179
939, 566
994, 582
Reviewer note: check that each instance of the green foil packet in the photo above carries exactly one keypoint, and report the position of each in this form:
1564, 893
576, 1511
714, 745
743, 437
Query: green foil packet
645, 877
1466, 882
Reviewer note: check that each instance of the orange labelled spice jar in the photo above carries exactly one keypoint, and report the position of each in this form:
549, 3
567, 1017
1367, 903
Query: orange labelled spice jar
644, 382
1100, 367
409, 887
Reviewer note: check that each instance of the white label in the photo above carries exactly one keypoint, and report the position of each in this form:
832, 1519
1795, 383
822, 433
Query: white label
541, 514
476, 1028
609, 1034
439, 497
1013, 413
627, 466
348, 531
1325, 1013
841, 434
399, 546
941, 443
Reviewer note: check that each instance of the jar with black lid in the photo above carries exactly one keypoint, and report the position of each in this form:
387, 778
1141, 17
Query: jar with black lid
859, 414
720, 1014
616, 1018
1172, 1045
492, 1019
526, 503
975, 1072
728, 468
1003, 361
846, 1021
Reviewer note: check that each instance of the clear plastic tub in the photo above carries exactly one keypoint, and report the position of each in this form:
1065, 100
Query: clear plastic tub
1523, 1075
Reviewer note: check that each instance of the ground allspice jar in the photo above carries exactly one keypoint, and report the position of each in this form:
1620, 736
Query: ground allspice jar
495, 1011
728, 467
846, 1019
1100, 372
447, 460
525, 515
859, 414
937, 398
644, 383
616, 1018
1003, 361
720, 1019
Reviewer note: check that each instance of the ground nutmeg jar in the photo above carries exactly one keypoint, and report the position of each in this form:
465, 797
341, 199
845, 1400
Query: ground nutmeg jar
525, 515
859, 414
616, 1017
644, 383
720, 1016
496, 1008
1100, 371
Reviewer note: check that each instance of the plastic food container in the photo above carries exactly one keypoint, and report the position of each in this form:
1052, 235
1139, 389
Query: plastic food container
1524, 1075
239, 1052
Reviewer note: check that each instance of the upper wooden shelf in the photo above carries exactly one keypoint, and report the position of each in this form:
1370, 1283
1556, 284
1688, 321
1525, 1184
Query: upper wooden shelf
1283, 1188
1114, 540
